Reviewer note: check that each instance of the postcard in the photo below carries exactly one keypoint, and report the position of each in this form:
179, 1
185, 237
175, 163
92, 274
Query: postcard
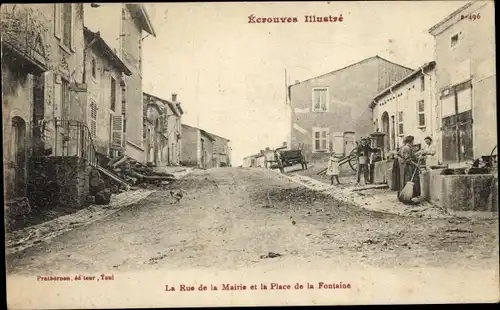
249, 154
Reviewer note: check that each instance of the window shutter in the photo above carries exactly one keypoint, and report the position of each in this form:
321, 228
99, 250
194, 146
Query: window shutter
57, 20
117, 132
93, 120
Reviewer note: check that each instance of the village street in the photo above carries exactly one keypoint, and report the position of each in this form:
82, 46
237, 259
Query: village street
230, 218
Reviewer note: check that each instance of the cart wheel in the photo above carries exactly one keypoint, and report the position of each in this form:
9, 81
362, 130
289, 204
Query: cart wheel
353, 163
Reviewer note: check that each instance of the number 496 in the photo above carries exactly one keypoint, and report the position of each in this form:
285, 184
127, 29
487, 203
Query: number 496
471, 16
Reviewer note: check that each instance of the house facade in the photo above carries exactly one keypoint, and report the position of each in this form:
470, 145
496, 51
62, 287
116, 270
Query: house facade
154, 132
250, 161
104, 75
330, 112
174, 112
125, 28
222, 151
408, 107
50, 148
162, 130
466, 82
197, 147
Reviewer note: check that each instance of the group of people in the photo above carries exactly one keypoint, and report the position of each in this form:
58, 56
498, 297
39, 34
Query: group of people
409, 163
363, 151
406, 168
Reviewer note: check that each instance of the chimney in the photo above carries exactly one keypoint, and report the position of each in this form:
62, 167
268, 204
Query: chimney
297, 81
174, 97
284, 143
267, 148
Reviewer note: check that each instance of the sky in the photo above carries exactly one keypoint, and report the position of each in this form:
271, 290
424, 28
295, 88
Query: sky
230, 74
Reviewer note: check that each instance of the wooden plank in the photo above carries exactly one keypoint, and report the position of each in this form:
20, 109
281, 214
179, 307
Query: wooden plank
114, 177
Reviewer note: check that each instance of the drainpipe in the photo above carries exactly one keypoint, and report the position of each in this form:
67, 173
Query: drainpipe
396, 117
433, 106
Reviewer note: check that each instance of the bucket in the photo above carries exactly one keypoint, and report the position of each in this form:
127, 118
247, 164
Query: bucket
363, 160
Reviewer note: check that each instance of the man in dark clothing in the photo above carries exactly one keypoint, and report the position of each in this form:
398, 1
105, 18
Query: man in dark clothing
363, 152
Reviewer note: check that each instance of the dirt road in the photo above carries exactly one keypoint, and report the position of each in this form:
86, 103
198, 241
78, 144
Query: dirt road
233, 217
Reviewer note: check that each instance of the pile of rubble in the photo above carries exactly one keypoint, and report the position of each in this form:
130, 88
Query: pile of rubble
124, 173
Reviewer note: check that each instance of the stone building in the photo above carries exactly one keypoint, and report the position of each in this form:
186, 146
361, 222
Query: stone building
331, 111
162, 130
106, 99
197, 147
408, 107
466, 82
125, 26
222, 151
49, 148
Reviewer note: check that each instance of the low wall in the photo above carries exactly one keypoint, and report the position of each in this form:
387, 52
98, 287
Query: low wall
135, 152
59, 181
382, 171
469, 192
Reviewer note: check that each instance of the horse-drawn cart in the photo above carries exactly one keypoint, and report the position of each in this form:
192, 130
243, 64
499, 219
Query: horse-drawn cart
287, 158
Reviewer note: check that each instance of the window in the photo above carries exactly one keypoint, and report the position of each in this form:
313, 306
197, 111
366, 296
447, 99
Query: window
113, 94
422, 83
320, 138
94, 68
454, 40
320, 99
66, 21
400, 123
64, 99
421, 113
93, 119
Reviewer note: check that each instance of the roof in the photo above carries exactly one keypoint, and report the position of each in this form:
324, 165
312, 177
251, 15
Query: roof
144, 20
447, 18
351, 65
175, 108
106, 50
220, 137
402, 81
203, 132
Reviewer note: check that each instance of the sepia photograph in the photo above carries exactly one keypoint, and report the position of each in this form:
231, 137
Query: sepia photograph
249, 153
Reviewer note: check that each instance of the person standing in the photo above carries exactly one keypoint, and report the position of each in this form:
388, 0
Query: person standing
333, 168
409, 163
363, 152
427, 153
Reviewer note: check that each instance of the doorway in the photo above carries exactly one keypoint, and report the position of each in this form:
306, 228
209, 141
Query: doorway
18, 156
393, 133
385, 130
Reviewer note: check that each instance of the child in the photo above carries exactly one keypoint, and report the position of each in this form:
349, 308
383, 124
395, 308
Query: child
333, 168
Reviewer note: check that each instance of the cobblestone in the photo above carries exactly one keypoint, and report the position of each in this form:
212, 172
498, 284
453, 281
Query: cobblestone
25, 238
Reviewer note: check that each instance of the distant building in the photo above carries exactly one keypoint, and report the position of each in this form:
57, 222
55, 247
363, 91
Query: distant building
331, 111
466, 82
222, 151
162, 130
197, 147
407, 107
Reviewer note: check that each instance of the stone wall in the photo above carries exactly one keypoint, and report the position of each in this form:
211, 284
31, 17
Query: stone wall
58, 181
469, 192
